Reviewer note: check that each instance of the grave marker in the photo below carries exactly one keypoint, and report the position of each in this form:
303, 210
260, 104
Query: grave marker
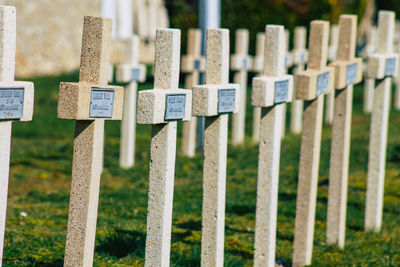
396, 78
130, 73
162, 107
241, 63
299, 61
288, 63
258, 66
215, 100
311, 85
333, 51
270, 92
381, 66
89, 103
369, 83
16, 104
193, 63
348, 71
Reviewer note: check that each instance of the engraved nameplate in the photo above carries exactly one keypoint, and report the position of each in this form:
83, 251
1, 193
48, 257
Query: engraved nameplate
245, 63
351, 73
11, 103
196, 64
175, 106
101, 103
135, 74
226, 100
322, 83
390, 66
281, 91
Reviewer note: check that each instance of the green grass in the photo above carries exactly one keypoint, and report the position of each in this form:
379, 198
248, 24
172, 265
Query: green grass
41, 175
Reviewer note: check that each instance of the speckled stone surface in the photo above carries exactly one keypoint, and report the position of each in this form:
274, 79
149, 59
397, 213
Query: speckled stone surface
240, 77
379, 127
215, 153
88, 142
341, 131
310, 150
191, 79
269, 150
7, 70
258, 66
162, 151
296, 119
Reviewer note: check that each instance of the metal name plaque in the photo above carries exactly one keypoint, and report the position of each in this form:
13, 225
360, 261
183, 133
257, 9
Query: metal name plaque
196, 64
226, 100
245, 63
175, 106
390, 66
11, 103
135, 74
322, 83
101, 103
281, 91
351, 73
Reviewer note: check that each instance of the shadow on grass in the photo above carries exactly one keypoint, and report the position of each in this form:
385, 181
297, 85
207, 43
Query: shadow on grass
123, 242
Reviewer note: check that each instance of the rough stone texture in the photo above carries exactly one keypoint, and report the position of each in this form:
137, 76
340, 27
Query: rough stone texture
7, 70
263, 92
128, 123
50, 44
88, 146
269, 151
258, 66
191, 79
310, 151
215, 154
341, 130
300, 34
379, 126
240, 77
377, 65
162, 152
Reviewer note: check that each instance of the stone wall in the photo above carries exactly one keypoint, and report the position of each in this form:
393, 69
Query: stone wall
49, 34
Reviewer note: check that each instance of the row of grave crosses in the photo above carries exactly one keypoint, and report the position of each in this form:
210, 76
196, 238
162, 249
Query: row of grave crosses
91, 101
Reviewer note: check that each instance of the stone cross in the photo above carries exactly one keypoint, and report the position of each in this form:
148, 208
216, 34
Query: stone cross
381, 66
109, 10
192, 64
311, 85
124, 21
396, 78
16, 104
258, 66
299, 60
241, 63
269, 93
332, 55
369, 83
215, 100
288, 63
89, 103
130, 73
348, 71
162, 107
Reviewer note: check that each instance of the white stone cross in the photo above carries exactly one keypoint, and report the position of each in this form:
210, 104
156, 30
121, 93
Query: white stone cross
130, 73
193, 64
396, 78
332, 55
311, 85
270, 92
299, 54
241, 63
348, 71
215, 100
162, 107
89, 103
288, 63
16, 104
258, 66
369, 83
381, 66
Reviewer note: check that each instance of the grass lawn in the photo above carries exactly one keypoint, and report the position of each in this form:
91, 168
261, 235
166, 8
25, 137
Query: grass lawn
41, 175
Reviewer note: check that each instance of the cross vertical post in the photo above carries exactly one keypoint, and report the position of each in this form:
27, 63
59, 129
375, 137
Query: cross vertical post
311, 85
332, 56
270, 92
369, 83
258, 66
